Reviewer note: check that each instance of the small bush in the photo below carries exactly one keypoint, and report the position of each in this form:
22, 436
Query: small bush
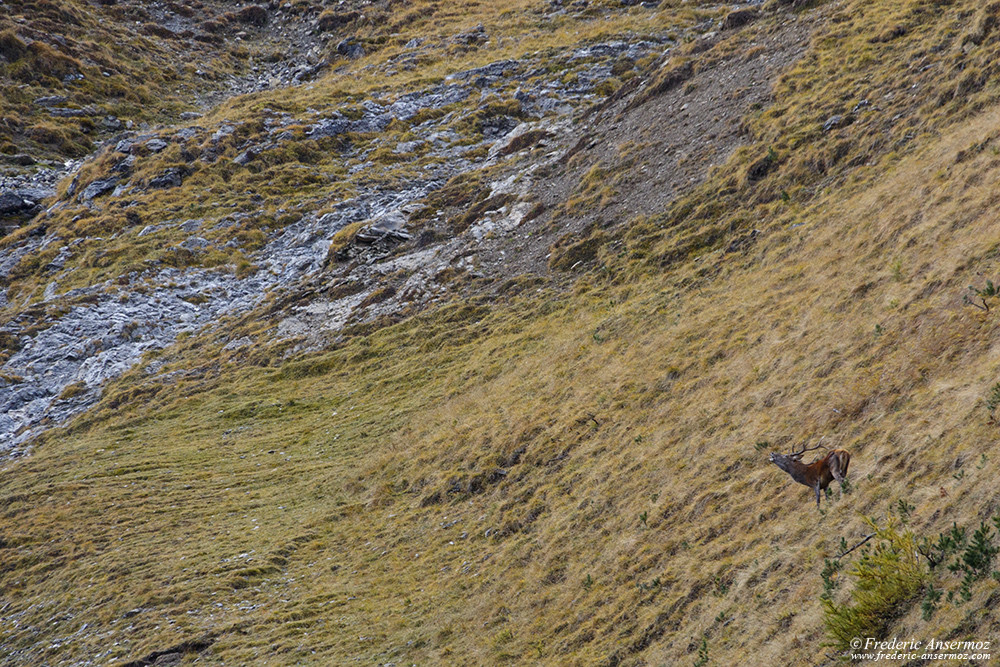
51, 62
887, 579
12, 47
341, 240
331, 20
993, 401
254, 15
72, 390
566, 255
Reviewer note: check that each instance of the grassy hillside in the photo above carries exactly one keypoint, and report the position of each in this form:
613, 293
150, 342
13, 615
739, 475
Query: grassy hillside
577, 474
73, 73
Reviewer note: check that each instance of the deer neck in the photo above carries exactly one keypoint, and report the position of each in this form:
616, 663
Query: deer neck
798, 470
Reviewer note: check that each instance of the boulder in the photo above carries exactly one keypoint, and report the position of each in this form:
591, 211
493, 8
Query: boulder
99, 187
11, 203
349, 48
169, 178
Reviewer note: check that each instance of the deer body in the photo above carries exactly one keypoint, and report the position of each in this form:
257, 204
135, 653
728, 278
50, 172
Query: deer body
818, 474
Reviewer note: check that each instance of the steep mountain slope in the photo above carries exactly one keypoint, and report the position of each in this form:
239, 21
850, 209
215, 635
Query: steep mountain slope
392, 430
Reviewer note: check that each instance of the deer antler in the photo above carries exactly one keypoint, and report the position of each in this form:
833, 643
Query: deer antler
798, 455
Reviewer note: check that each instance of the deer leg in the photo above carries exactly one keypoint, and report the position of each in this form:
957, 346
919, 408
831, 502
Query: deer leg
816, 488
838, 475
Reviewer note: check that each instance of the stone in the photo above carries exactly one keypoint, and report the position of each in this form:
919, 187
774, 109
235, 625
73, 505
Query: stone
407, 146
349, 48
169, 178
497, 126
99, 187
156, 145
388, 225
125, 166
245, 157
51, 100
195, 243
475, 36
329, 127
493, 70
73, 113
223, 132
833, 122
11, 203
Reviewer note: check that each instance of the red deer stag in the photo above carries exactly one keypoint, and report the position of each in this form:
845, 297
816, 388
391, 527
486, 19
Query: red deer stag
818, 474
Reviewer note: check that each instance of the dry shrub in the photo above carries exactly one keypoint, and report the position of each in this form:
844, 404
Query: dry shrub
254, 15
12, 47
331, 20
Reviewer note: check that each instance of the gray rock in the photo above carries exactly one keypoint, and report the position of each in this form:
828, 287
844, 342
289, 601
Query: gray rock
51, 100
156, 145
125, 166
349, 48
475, 36
36, 192
246, 156
493, 70
186, 133
387, 225
60, 260
195, 243
190, 115
169, 178
408, 106
99, 187
407, 146
329, 127
11, 203
833, 122
73, 113
498, 126
223, 132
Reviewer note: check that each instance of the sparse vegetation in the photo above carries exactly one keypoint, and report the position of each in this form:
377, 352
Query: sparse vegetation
887, 579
